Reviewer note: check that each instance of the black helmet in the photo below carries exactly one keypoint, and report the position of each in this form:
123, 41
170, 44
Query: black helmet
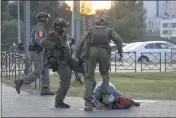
41, 16
104, 22
60, 22
101, 22
97, 22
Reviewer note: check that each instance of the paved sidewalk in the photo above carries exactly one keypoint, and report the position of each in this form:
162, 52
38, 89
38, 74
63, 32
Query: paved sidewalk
27, 105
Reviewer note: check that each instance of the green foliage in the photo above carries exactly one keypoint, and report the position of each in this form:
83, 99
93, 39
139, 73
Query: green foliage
13, 10
9, 31
51, 7
147, 85
4, 10
128, 19
9, 12
152, 33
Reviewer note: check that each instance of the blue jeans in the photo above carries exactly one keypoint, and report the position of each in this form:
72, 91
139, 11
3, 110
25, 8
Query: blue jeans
97, 95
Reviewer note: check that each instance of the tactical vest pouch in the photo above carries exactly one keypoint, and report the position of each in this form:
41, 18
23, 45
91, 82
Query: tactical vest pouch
31, 48
65, 54
99, 36
85, 52
34, 48
51, 63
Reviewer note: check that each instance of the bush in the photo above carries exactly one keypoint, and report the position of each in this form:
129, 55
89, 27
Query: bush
9, 30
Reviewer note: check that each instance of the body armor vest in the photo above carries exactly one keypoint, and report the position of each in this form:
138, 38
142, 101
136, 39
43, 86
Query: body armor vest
99, 35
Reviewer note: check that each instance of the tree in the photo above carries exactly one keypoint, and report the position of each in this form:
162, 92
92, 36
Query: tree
128, 19
52, 7
9, 30
13, 10
4, 10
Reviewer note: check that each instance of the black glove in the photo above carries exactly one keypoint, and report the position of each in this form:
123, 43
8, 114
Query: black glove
51, 63
80, 62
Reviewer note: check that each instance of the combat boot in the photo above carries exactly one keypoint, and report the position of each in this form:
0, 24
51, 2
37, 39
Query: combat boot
18, 84
105, 99
85, 104
45, 91
88, 106
61, 105
99, 105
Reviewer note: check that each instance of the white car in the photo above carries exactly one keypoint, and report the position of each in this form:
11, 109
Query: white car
150, 51
114, 52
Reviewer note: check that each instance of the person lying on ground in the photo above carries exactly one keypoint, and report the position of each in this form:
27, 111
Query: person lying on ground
116, 100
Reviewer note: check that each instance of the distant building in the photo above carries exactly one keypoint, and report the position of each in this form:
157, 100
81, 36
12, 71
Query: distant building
153, 24
61, 2
166, 9
168, 28
113, 3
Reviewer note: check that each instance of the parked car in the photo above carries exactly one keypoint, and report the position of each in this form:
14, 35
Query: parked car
150, 50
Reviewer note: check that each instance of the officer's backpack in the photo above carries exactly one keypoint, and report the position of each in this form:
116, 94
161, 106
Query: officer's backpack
99, 35
124, 103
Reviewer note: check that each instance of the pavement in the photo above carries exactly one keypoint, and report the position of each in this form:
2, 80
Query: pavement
28, 105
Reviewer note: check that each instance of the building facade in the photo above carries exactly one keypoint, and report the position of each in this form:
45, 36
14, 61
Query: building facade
166, 9
168, 28
153, 24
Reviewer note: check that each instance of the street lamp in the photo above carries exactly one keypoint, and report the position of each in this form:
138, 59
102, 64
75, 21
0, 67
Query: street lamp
19, 33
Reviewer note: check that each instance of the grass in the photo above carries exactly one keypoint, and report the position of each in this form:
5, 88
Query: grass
133, 85
145, 85
152, 33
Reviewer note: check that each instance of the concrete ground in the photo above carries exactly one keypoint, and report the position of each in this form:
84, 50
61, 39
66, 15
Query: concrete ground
28, 105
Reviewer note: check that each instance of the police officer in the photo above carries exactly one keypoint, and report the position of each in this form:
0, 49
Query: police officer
56, 43
95, 47
37, 56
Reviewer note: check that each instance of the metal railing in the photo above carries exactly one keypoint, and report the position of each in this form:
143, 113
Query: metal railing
13, 65
151, 62
128, 63
170, 60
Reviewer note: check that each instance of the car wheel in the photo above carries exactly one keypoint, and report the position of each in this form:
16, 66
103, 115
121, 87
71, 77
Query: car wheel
143, 59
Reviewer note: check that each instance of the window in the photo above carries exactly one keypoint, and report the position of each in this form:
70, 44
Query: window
165, 25
157, 46
149, 46
174, 25
166, 14
153, 46
166, 46
165, 32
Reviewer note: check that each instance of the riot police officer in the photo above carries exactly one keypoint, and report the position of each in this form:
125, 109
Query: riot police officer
37, 56
58, 58
94, 47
